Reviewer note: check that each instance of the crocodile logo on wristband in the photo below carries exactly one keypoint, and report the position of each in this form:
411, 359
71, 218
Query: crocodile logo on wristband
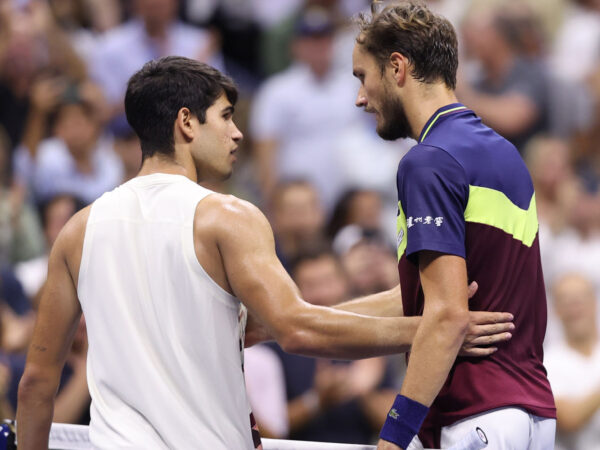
393, 414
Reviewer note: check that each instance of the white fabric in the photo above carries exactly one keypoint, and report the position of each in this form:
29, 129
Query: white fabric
505, 429
306, 117
265, 384
565, 253
577, 47
164, 363
573, 375
32, 274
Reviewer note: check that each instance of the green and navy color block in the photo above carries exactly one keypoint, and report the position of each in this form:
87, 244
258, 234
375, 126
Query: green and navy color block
464, 190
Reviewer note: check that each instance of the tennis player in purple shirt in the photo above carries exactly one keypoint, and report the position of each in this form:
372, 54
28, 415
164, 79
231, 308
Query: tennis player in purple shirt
466, 211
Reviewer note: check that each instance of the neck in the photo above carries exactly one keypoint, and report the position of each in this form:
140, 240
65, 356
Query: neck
174, 165
423, 101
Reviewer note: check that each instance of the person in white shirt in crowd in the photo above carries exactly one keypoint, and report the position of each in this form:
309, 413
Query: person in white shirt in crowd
574, 365
299, 114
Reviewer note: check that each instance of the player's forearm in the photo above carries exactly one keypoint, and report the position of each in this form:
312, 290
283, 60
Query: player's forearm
34, 414
382, 304
323, 332
434, 350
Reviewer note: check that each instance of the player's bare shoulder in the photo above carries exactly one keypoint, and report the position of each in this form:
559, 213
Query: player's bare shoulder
69, 243
222, 215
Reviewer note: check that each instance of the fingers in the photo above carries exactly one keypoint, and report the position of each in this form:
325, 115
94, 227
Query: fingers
486, 317
486, 330
477, 351
489, 340
472, 289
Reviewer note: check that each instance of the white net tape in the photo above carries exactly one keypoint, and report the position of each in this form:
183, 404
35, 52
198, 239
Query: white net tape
76, 437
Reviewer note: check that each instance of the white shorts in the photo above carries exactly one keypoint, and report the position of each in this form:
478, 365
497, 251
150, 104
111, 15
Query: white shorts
506, 429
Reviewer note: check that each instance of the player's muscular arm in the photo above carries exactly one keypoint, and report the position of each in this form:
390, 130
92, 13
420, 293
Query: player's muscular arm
382, 304
257, 278
58, 316
443, 327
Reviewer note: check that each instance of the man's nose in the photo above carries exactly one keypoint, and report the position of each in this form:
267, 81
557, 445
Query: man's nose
361, 99
237, 135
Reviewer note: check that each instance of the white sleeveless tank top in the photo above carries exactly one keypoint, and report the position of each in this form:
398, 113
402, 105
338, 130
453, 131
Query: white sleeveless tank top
165, 341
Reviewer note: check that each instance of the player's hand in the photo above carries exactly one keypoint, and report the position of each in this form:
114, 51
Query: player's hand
385, 445
486, 328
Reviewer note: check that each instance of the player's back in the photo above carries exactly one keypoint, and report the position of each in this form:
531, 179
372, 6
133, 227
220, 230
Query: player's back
502, 254
164, 364
492, 191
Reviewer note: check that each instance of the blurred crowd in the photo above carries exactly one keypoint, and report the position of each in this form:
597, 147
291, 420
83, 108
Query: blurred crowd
313, 163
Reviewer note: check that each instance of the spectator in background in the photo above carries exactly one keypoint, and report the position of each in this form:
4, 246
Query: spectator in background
127, 146
153, 32
362, 207
574, 365
367, 259
585, 151
77, 158
55, 213
297, 218
16, 314
20, 232
556, 186
84, 21
510, 92
576, 50
30, 44
332, 401
299, 113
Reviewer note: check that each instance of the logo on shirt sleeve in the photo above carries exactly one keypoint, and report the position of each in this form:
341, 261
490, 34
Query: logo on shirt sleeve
427, 220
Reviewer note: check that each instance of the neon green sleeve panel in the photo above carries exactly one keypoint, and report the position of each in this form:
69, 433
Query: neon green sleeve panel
491, 207
488, 207
401, 231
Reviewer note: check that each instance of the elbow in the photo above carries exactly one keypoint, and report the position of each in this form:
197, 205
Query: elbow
36, 387
452, 321
296, 341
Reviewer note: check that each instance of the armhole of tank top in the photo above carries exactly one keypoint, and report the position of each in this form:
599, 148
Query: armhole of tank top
187, 242
85, 251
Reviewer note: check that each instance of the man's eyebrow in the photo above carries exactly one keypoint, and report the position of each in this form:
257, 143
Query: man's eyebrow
228, 110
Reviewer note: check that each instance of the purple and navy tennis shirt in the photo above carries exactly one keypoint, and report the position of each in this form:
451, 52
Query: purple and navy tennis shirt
464, 190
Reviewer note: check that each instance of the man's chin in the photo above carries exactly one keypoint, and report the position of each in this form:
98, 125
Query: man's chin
390, 135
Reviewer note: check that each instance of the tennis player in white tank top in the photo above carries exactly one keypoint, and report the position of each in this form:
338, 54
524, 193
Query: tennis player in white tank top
160, 268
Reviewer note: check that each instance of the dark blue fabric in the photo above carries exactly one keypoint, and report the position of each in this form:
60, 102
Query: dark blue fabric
12, 292
433, 191
485, 156
404, 421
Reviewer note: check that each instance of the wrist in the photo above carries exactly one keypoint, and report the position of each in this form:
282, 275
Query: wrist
403, 421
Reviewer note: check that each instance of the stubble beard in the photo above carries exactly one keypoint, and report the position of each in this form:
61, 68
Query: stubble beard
394, 123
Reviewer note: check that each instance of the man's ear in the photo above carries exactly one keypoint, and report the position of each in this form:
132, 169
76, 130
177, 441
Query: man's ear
183, 123
399, 67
